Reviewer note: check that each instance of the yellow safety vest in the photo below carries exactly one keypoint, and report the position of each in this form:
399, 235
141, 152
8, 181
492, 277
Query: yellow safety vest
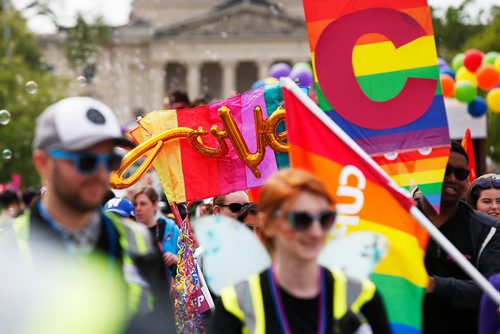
245, 301
134, 241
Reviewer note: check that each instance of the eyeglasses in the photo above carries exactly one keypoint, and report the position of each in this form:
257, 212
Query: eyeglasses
460, 173
86, 162
302, 220
235, 207
486, 184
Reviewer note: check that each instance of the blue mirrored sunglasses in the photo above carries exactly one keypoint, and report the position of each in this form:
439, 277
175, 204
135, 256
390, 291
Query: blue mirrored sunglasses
485, 184
87, 162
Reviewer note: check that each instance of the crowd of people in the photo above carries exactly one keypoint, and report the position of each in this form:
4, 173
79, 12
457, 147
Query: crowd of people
133, 240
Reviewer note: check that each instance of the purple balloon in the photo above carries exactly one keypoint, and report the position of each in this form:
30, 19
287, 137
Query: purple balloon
279, 70
305, 78
442, 63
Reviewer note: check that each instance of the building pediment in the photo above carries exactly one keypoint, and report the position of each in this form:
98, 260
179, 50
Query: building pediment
244, 20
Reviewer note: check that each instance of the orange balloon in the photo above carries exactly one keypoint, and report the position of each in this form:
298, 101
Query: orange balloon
487, 76
447, 85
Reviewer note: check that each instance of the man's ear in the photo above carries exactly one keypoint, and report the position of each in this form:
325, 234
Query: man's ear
41, 161
216, 210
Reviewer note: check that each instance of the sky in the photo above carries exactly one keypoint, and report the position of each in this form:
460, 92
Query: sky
116, 12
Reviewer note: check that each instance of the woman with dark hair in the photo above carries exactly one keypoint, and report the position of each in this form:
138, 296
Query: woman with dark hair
484, 194
296, 294
164, 230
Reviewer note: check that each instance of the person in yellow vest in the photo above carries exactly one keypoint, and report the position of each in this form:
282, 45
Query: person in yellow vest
74, 153
296, 294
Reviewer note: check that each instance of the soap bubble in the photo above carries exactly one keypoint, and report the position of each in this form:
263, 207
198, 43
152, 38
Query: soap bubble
4, 117
31, 87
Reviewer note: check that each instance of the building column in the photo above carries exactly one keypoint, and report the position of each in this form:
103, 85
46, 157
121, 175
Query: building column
156, 82
193, 81
228, 78
263, 68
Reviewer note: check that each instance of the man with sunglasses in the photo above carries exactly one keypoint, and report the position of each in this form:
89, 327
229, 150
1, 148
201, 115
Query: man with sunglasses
231, 204
74, 153
452, 299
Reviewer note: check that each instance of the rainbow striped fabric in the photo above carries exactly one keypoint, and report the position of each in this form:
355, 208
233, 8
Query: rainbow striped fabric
376, 74
187, 175
367, 200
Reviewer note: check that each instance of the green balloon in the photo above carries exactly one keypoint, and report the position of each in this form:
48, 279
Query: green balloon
490, 57
465, 91
457, 61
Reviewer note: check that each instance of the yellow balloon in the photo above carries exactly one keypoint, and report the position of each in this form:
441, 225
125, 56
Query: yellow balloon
493, 100
465, 74
496, 64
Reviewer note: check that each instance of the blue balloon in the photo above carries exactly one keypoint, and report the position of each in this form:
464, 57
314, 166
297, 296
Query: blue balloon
477, 107
447, 70
258, 84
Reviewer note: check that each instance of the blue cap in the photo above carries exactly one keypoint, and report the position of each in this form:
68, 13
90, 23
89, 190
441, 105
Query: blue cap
121, 206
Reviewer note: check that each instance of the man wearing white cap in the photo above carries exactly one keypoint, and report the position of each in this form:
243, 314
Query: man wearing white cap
74, 153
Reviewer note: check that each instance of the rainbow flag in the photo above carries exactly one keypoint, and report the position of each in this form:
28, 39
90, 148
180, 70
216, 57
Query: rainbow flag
187, 175
376, 75
367, 200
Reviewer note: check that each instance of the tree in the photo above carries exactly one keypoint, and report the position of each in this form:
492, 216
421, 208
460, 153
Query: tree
82, 42
27, 87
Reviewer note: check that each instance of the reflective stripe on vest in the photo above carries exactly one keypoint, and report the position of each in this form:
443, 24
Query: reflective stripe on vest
245, 302
133, 242
366, 294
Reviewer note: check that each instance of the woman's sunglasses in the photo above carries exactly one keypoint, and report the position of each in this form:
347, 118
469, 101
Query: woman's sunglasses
486, 184
460, 173
302, 220
235, 207
86, 162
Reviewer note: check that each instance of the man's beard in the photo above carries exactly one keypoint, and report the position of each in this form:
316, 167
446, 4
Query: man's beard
71, 199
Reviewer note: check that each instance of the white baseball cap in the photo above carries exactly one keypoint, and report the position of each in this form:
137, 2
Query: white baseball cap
76, 123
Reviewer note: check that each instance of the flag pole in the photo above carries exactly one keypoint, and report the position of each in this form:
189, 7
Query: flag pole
455, 254
433, 231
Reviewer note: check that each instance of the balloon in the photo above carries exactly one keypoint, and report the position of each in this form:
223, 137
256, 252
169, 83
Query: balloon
263, 82
473, 59
448, 71
304, 78
447, 85
301, 66
464, 74
496, 64
270, 80
465, 91
493, 100
258, 84
477, 107
490, 57
442, 63
457, 61
279, 70
487, 76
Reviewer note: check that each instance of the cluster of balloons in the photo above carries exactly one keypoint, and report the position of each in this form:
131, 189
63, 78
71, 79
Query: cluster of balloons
469, 72
301, 72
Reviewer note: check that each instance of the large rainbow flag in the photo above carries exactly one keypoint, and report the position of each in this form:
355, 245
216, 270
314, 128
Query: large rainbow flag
187, 175
376, 74
367, 199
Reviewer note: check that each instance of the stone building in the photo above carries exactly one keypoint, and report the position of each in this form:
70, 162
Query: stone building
211, 48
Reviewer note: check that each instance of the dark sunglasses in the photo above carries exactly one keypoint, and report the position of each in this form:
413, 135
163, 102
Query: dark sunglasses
302, 220
460, 173
486, 184
235, 207
86, 162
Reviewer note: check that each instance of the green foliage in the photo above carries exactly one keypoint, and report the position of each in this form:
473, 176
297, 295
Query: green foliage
83, 41
20, 62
